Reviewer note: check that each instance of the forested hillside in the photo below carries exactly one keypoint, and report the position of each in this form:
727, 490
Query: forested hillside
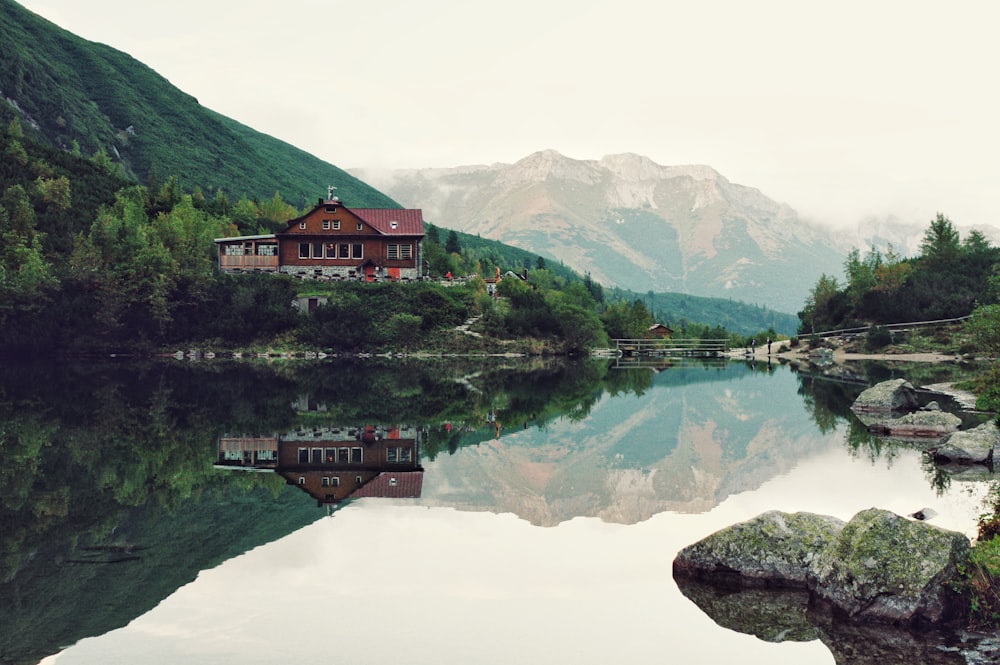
950, 278
81, 96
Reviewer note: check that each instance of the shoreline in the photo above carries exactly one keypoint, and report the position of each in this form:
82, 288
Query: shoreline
784, 352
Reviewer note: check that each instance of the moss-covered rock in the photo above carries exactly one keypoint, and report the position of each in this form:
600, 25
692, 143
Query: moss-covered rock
878, 567
774, 549
889, 569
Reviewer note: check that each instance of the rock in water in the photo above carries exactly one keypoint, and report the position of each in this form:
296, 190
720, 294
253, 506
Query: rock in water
887, 396
774, 549
889, 569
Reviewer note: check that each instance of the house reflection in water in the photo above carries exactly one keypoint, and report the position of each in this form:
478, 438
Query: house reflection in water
333, 464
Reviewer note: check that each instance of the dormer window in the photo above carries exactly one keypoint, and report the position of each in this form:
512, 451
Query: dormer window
302, 225
393, 224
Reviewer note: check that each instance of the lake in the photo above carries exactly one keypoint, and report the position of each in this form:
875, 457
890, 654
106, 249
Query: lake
441, 511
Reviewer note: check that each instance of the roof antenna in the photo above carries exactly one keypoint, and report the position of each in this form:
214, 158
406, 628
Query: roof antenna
330, 189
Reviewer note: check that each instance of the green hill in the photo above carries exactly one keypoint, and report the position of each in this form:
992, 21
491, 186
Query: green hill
72, 91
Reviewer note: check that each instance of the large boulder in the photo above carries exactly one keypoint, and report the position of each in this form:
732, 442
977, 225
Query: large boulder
889, 569
774, 549
886, 397
974, 446
878, 567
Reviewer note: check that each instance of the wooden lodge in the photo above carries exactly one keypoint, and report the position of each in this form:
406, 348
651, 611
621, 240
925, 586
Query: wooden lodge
333, 464
334, 242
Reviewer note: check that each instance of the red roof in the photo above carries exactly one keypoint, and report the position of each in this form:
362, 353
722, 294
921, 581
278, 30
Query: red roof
393, 485
393, 221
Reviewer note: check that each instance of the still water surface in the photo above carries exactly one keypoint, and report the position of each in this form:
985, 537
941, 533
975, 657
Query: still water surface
552, 504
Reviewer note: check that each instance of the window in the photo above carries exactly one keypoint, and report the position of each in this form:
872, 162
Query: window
345, 456
303, 455
234, 250
317, 250
359, 226
331, 455
331, 250
325, 482
345, 250
302, 480
267, 250
302, 225
336, 225
398, 455
303, 250
317, 455
355, 455
326, 224
357, 251
393, 224
399, 252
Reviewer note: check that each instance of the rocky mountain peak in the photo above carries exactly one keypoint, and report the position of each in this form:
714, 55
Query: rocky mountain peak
634, 168
548, 165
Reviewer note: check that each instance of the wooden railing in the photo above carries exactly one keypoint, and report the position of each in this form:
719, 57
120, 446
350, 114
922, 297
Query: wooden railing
891, 327
248, 262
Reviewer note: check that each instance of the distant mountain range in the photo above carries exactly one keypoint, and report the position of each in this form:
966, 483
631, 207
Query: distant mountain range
630, 223
642, 226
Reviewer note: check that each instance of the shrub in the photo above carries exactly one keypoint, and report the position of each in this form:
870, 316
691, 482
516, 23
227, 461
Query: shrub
983, 581
878, 338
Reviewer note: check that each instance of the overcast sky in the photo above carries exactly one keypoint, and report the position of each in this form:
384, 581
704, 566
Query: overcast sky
841, 110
